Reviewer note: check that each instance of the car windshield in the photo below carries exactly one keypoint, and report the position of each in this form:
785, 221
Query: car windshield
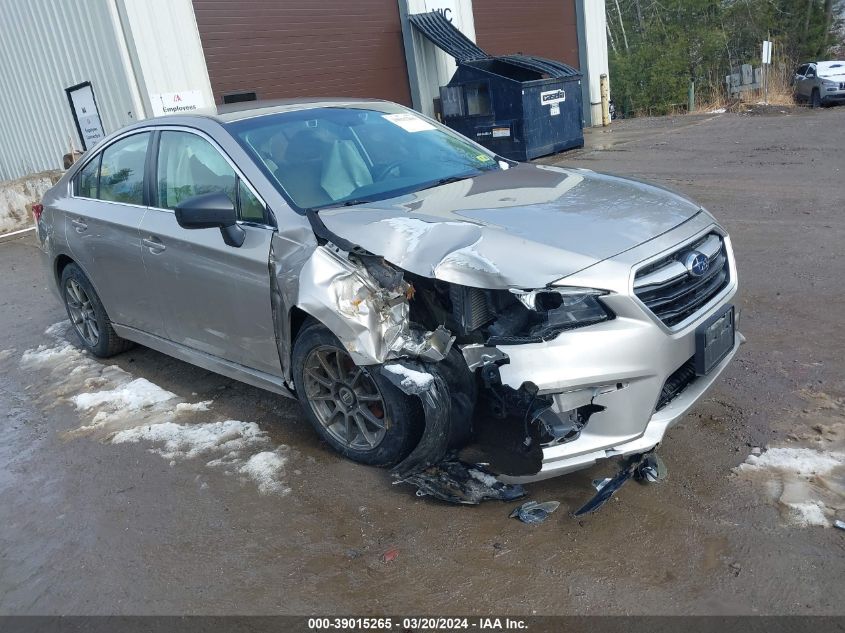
332, 156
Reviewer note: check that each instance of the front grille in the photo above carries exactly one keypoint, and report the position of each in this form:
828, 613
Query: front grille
680, 379
671, 292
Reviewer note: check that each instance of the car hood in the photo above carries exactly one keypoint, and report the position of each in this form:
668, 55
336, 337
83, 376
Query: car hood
524, 227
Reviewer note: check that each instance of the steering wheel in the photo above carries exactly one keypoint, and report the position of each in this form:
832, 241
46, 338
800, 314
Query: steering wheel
382, 173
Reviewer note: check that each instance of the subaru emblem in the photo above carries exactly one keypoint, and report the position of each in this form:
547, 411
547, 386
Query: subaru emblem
697, 264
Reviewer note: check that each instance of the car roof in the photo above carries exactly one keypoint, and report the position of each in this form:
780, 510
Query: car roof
230, 112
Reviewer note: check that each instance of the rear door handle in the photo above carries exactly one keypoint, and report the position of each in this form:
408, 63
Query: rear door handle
154, 244
79, 225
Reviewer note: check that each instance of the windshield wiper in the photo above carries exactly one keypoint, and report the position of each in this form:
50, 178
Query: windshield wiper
449, 180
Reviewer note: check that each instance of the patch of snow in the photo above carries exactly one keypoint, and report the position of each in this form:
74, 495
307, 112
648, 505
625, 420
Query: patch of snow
800, 461
47, 355
188, 407
802, 482
411, 377
718, 111
486, 479
811, 513
6, 353
265, 469
186, 441
135, 395
118, 407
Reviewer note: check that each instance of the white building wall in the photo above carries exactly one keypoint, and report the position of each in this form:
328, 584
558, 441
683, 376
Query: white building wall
132, 51
434, 67
166, 52
45, 47
593, 53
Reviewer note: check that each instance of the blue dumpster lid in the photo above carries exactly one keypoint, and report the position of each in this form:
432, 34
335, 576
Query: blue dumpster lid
550, 67
444, 35
448, 38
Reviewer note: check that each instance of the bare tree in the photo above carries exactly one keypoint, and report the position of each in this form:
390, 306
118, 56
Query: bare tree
622, 24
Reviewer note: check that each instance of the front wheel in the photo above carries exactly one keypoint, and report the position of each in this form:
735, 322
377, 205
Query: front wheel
361, 414
88, 316
815, 99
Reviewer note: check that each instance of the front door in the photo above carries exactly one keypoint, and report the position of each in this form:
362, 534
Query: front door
215, 298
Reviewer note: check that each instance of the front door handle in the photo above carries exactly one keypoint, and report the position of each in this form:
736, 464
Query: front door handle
154, 244
79, 225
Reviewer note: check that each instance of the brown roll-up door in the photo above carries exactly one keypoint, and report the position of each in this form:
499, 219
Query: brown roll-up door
546, 28
304, 48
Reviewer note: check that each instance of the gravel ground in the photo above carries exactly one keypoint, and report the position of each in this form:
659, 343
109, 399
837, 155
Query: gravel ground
275, 523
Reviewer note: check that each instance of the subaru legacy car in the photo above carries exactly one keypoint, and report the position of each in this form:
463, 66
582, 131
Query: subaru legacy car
420, 295
820, 83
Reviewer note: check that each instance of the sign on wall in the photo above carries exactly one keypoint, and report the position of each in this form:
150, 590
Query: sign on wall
83, 106
176, 102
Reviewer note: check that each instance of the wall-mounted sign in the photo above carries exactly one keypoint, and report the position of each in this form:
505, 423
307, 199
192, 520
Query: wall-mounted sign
176, 102
83, 106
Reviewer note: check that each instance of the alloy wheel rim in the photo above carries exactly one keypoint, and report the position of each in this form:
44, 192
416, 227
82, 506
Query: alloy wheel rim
82, 312
345, 399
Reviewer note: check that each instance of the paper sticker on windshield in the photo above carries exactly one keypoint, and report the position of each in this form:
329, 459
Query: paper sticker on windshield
483, 158
409, 122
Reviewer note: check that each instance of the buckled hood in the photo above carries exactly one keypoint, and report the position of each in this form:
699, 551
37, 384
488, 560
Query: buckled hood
524, 227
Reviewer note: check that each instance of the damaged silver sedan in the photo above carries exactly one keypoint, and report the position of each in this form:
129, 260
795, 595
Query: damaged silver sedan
423, 298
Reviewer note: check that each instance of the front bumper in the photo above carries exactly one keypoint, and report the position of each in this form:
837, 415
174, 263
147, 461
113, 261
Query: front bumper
621, 365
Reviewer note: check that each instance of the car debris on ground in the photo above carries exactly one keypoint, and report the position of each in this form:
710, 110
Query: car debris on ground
534, 513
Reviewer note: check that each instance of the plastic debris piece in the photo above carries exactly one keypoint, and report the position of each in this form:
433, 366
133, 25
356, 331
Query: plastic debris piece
651, 470
534, 513
598, 484
455, 482
839, 524
390, 555
631, 469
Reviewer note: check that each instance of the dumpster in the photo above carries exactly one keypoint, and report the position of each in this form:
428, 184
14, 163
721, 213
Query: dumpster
518, 106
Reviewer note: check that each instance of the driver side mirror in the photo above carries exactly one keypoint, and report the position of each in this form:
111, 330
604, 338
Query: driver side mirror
209, 211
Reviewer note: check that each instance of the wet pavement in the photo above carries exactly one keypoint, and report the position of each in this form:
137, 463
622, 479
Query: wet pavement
268, 521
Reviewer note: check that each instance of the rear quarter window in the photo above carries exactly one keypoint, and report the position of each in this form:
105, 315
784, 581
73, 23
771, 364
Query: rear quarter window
122, 170
86, 180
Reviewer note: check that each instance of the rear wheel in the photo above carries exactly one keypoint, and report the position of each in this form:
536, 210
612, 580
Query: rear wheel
361, 414
88, 316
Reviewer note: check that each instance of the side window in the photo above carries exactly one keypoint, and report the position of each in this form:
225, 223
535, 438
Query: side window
811, 72
189, 166
802, 70
86, 180
122, 170
251, 208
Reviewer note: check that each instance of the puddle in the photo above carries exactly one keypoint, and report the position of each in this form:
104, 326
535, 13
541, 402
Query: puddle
117, 407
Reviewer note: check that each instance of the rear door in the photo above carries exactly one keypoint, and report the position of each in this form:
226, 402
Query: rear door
215, 298
103, 216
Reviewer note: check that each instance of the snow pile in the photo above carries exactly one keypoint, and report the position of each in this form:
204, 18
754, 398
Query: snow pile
411, 379
133, 396
15, 195
186, 441
265, 469
806, 483
718, 111
120, 408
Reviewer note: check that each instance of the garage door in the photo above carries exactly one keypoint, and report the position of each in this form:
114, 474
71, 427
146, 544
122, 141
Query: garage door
302, 48
545, 28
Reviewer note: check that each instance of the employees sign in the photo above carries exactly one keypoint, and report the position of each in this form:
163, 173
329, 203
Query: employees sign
176, 102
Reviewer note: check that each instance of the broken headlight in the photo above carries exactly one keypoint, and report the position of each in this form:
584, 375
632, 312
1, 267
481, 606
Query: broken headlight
539, 315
